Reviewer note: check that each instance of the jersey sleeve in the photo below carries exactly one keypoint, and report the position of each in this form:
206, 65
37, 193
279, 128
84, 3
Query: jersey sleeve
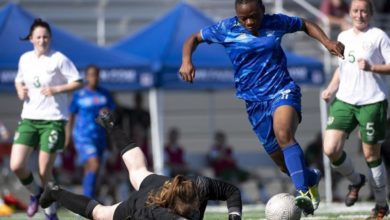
212, 189
68, 70
384, 45
288, 24
215, 33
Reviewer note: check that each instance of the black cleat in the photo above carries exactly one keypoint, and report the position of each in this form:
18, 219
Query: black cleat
353, 194
106, 120
46, 198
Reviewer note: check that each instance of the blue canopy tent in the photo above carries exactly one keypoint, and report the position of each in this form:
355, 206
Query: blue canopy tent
161, 43
119, 71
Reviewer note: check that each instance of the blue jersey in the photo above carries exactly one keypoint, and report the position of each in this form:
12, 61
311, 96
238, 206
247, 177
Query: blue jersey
86, 104
260, 66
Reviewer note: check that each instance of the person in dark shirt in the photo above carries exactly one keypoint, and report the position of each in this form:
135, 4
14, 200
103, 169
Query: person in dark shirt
225, 166
337, 13
157, 197
175, 155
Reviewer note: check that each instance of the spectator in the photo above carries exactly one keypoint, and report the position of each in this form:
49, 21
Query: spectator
67, 171
337, 13
225, 167
117, 184
175, 155
89, 138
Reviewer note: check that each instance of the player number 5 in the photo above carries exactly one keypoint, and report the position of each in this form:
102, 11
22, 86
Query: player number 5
370, 128
351, 56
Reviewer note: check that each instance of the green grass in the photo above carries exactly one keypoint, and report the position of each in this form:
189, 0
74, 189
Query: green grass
251, 212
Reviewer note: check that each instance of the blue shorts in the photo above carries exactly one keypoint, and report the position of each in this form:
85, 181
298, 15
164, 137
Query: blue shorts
260, 115
88, 148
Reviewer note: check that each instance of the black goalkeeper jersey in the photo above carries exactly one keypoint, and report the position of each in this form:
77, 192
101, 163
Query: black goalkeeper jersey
208, 189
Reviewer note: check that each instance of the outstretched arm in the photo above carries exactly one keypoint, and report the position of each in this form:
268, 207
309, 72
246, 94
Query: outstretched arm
212, 189
187, 69
314, 31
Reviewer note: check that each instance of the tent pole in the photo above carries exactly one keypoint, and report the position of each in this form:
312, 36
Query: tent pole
101, 23
324, 118
327, 168
155, 105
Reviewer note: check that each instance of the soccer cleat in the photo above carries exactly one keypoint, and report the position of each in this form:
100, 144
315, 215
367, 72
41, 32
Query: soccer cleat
313, 190
353, 193
46, 198
379, 212
106, 120
51, 217
5, 210
33, 205
303, 201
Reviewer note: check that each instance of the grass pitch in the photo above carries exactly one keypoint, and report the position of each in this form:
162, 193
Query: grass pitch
251, 212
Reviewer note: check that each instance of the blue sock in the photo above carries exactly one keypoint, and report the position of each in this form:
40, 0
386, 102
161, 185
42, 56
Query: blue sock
89, 183
294, 159
311, 177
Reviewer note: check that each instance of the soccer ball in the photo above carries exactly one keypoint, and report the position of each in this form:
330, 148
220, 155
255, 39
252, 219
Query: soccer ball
282, 207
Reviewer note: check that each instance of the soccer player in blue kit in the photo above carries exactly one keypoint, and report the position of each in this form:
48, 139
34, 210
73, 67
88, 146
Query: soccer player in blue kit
89, 138
273, 100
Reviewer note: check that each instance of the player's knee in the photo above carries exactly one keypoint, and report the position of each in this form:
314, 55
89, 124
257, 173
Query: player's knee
332, 153
284, 137
16, 166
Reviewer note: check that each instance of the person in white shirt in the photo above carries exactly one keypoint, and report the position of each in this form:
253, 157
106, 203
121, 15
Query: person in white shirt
43, 79
361, 100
